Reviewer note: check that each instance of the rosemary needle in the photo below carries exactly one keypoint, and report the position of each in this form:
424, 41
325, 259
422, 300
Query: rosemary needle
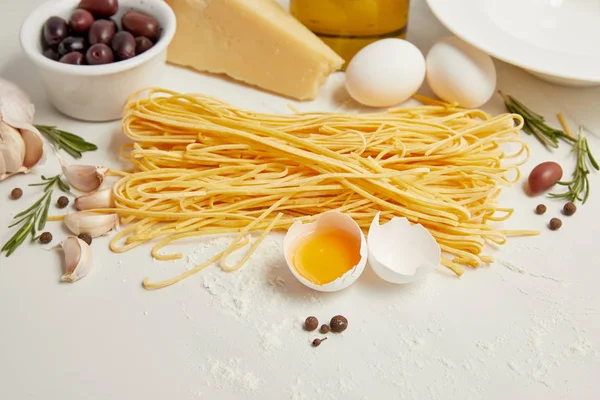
71, 143
534, 124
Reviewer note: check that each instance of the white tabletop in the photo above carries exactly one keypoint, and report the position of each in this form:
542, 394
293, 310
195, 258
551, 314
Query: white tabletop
525, 327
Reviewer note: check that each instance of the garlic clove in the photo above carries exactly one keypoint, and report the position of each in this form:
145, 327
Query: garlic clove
99, 199
12, 159
78, 259
11, 138
12, 151
15, 107
34, 148
94, 224
85, 178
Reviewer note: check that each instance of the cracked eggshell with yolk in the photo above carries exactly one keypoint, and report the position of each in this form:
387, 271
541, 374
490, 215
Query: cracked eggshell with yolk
401, 252
330, 220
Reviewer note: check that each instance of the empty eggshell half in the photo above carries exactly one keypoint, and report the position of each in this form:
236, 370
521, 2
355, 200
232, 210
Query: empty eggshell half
401, 252
326, 221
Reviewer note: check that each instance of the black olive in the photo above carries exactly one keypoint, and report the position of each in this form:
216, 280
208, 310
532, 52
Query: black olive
74, 57
81, 20
123, 45
99, 54
54, 31
101, 8
140, 25
70, 44
142, 44
51, 54
102, 31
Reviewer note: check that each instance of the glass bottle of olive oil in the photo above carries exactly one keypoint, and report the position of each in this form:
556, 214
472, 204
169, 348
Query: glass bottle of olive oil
349, 25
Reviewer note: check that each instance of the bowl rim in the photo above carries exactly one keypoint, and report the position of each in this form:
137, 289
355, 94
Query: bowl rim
466, 20
31, 26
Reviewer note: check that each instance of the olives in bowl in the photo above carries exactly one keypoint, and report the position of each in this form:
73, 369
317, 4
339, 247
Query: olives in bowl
87, 85
92, 24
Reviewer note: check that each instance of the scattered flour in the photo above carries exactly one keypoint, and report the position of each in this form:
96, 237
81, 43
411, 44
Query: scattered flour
297, 392
258, 286
510, 266
582, 347
447, 363
520, 270
527, 247
418, 343
346, 385
550, 278
515, 367
229, 374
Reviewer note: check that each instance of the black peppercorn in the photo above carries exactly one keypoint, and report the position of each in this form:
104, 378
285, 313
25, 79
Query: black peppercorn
311, 323
317, 342
324, 328
85, 237
555, 224
540, 209
16, 193
338, 324
569, 209
45, 238
62, 201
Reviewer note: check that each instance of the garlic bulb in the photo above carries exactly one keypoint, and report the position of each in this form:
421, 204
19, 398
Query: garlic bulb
15, 107
21, 146
99, 199
94, 224
85, 178
78, 259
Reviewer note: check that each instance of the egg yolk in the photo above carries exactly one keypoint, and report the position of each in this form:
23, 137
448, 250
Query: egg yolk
324, 256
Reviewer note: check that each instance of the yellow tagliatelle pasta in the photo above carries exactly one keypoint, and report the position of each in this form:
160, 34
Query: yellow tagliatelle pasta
205, 167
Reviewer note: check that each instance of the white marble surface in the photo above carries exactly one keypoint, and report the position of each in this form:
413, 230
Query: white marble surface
526, 327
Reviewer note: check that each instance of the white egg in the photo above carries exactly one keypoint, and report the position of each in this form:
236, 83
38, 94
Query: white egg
458, 72
385, 73
401, 252
326, 224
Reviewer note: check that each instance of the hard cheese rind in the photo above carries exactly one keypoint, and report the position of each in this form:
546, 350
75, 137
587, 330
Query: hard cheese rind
255, 41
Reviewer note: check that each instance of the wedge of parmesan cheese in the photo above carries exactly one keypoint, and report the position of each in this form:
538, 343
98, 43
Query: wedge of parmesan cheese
255, 41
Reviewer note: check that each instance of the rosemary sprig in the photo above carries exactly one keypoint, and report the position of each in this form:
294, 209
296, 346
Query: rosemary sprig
534, 123
579, 186
71, 143
49, 182
34, 218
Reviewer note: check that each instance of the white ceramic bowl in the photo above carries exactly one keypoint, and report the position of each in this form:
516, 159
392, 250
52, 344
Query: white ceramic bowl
556, 40
97, 92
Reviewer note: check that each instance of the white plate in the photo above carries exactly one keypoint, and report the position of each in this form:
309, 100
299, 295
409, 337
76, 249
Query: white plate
557, 40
